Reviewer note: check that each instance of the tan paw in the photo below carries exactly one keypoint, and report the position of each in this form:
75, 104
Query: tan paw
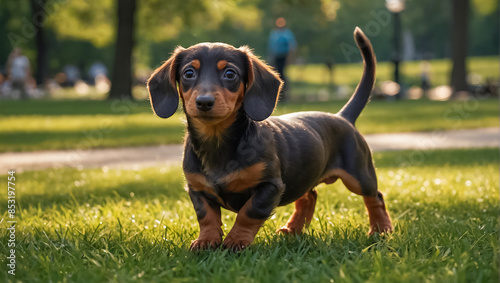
289, 230
381, 229
235, 243
204, 244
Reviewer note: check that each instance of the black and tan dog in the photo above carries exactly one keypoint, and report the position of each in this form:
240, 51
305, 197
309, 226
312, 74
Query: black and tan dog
237, 158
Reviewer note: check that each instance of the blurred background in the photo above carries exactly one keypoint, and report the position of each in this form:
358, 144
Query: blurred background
99, 49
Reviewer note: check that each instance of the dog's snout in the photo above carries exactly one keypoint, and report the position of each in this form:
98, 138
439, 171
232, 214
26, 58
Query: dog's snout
205, 102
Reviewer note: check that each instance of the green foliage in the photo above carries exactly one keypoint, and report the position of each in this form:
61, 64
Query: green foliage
163, 20
323, 27
13, 16
485, 7
481, 32
430, 24
128, 226
92, 20
159, 21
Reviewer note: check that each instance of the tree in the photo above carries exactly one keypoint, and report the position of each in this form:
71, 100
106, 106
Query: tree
157, 20
121, 76
459, 40
39, 17
322, 28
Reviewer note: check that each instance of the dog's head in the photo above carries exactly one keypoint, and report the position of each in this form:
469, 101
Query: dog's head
214, 80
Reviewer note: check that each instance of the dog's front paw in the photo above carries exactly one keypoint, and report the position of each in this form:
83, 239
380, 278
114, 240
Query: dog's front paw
237, 242
383, 228
205, 243
289, 230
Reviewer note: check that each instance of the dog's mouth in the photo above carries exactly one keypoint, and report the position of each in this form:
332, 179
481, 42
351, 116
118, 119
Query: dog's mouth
207, 118
209, 115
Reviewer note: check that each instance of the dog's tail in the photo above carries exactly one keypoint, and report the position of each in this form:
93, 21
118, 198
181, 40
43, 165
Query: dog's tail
355, 105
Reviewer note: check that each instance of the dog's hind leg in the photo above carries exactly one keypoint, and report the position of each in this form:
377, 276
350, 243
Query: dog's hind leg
380, 221
359, 177
357, 172
364, 183
302, 215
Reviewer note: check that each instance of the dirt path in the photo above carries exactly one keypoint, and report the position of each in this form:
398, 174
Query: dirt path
138, 157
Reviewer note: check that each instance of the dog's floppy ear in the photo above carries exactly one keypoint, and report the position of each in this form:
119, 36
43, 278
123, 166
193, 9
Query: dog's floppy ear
263, 88
162, 86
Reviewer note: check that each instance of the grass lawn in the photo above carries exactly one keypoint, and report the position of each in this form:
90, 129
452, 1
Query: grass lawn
123, 226
74, 124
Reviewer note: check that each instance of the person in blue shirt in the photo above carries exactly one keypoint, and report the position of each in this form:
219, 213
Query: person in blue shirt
281, 46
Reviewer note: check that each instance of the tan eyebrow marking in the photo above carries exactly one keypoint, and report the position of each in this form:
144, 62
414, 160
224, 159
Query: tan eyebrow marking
221, 64
196, 64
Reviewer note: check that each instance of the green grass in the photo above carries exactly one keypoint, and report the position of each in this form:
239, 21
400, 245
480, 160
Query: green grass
66, 123
69, 124
123, 226
139, 92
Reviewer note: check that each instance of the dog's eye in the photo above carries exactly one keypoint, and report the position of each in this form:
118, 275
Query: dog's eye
189, 74
230, 74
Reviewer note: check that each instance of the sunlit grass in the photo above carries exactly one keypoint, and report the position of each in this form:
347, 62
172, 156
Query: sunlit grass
47, 124
66, 123
120, 225
139, 92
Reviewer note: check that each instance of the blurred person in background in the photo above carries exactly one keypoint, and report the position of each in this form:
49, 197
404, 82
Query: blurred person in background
72, 74
97, 69
425, 76
19, 71
281, 48
4, 85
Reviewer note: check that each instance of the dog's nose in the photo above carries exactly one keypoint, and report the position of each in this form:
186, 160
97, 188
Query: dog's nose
205, 102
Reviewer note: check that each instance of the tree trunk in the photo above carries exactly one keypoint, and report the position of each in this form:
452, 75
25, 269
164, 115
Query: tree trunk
398, 54
459, 40
39, 17
121, 76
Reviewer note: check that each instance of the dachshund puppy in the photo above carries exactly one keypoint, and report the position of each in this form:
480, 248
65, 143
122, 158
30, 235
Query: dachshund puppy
239, 158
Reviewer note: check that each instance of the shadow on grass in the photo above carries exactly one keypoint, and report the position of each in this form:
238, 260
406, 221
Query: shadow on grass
73, 107
127, 136
134, 191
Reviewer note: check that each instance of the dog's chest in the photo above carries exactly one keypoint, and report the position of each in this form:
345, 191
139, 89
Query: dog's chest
220, 185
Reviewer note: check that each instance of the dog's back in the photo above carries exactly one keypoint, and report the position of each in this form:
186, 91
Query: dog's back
309, 143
